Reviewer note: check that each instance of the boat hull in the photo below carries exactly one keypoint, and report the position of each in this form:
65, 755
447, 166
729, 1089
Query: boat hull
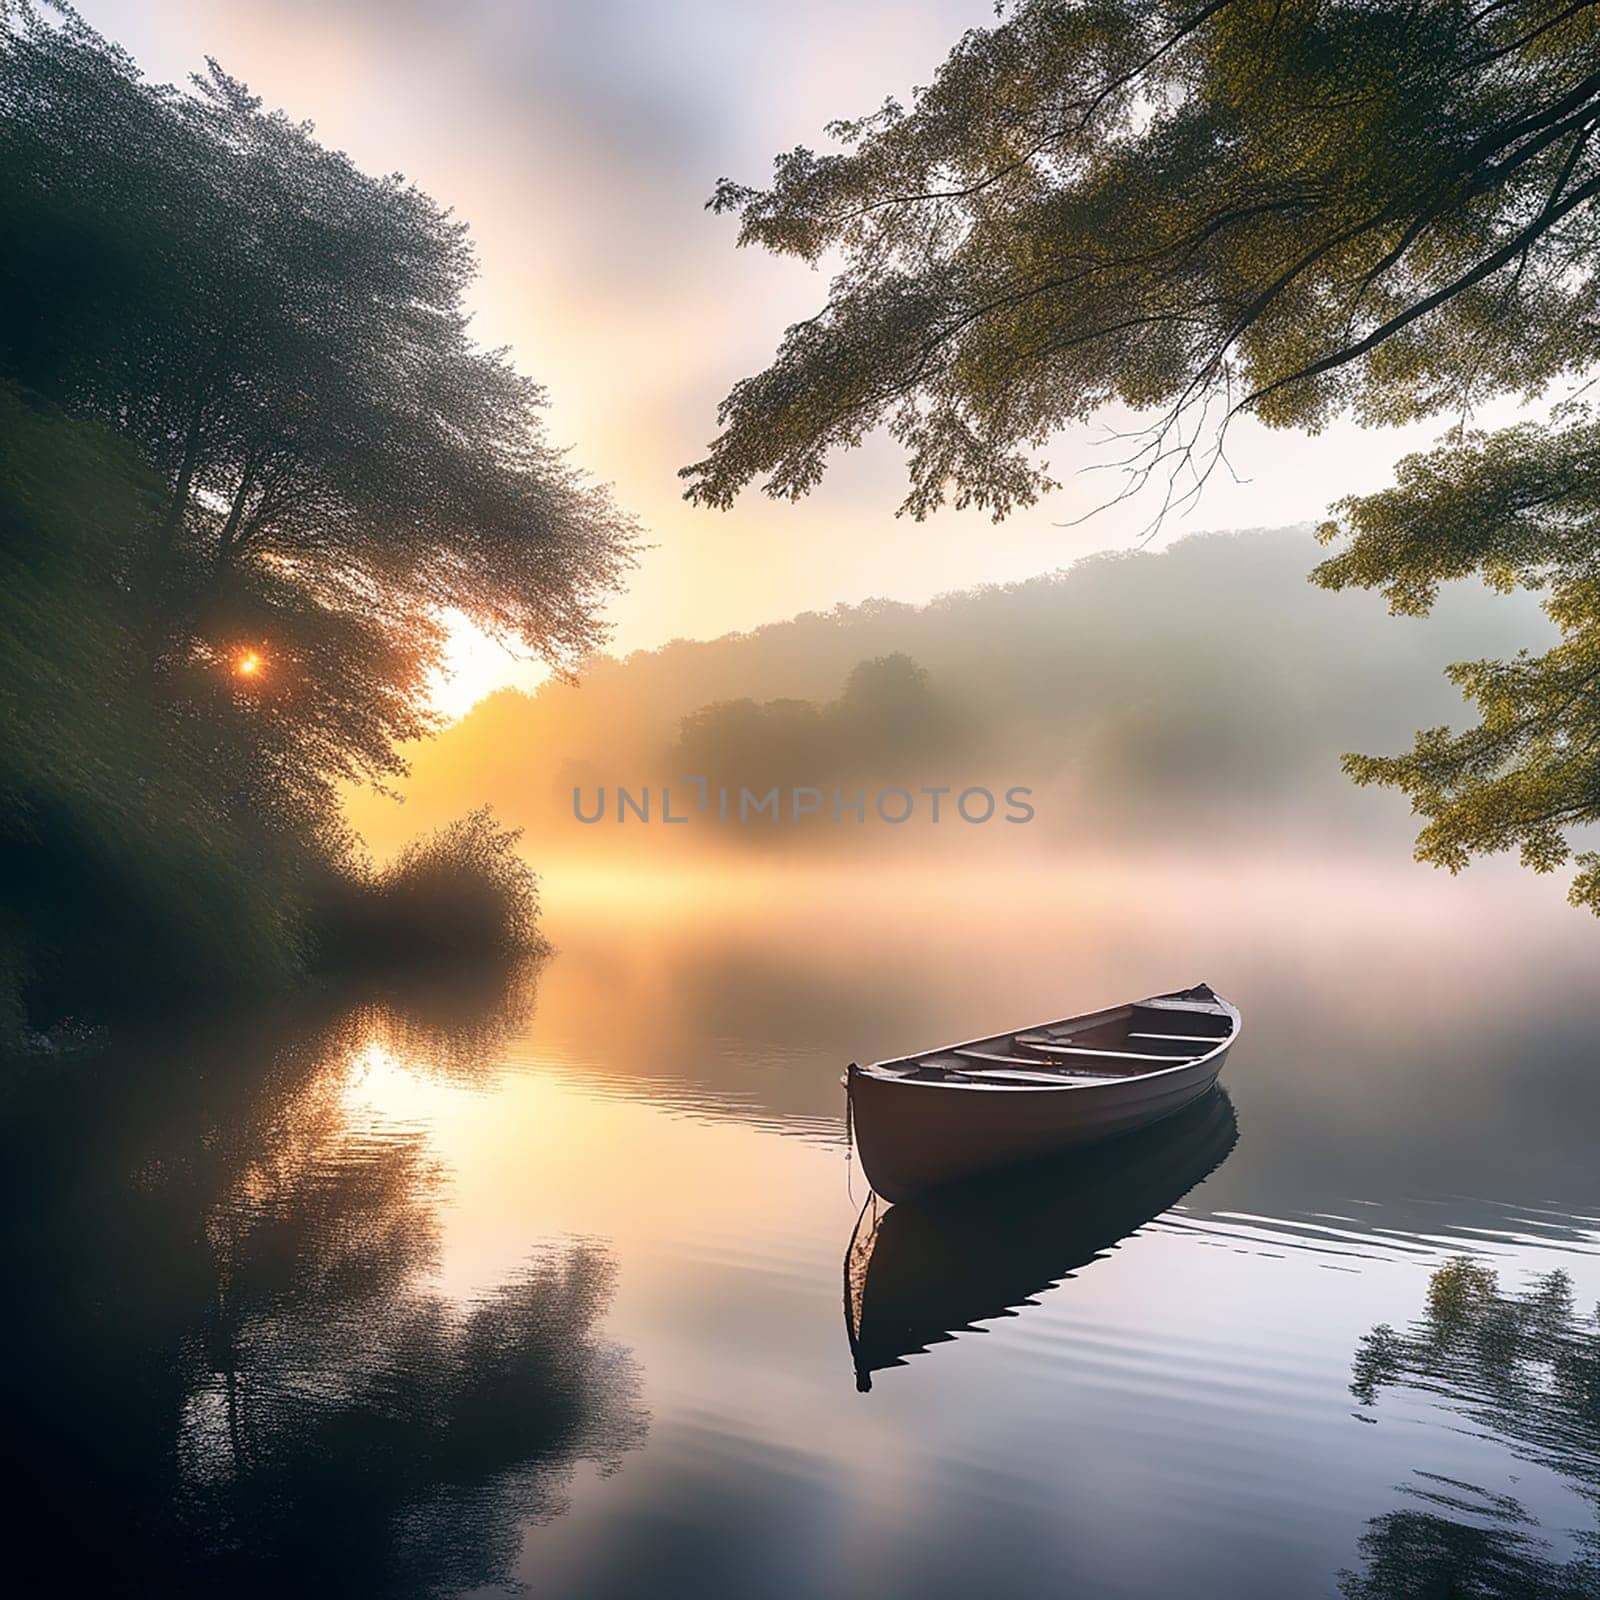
912, 1140
921, 1273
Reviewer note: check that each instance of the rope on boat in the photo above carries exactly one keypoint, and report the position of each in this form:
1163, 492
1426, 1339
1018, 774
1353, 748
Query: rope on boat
849, 1137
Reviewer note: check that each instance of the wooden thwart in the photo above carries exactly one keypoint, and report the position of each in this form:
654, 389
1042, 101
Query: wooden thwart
1004, 1061
1181, 1038
1077, 1052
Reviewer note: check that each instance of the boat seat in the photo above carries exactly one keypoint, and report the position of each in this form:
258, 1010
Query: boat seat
1082, 1041
1004, 1061
1061, 1041
1183, 1038
1031, 1080
1080, 1052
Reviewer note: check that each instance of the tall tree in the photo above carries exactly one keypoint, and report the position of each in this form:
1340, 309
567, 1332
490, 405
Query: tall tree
283, 340
250, 459
1203, 207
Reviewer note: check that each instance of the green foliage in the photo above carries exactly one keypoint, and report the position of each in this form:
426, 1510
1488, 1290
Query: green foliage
245, 424
283, 340
1287, 208
1292, 210
127, 879
461, 896
1522, 508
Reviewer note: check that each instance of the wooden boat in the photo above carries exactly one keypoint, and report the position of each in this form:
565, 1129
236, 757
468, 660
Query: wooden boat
943, 1115
918, 1273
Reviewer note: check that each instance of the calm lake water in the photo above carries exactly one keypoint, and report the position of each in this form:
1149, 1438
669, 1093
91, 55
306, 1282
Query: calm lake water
459, 1290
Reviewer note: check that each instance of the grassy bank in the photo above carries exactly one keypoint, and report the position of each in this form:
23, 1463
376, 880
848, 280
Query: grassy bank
458, 903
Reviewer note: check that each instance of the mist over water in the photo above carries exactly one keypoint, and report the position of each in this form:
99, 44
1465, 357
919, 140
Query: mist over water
1148, 700
559, 1274
548, 1283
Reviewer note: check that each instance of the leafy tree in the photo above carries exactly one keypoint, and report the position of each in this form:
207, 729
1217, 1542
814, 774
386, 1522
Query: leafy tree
282, 339
1521, 507
784, 742
1216, 206
892, 720
125, 872
251, 456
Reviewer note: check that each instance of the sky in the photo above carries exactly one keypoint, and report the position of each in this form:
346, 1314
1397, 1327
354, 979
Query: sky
580, 141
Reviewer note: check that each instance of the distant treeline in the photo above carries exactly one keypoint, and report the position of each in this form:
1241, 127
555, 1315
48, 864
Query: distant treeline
1140, 694
888, 722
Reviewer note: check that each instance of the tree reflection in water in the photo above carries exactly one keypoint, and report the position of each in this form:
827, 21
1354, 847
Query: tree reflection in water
233, 1370
1524, 1367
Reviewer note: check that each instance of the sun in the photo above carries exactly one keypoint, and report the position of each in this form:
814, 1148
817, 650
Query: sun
249, 664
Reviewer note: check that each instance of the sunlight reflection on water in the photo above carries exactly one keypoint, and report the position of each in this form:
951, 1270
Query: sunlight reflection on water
551, 1281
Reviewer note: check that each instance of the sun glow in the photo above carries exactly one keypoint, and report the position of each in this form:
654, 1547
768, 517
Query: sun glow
249, 664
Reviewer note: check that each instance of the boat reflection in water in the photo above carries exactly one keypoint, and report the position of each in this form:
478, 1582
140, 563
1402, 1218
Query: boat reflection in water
922, 1271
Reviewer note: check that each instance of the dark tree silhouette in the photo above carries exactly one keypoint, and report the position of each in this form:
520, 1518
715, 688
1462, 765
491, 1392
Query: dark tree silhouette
282, 338
261, 353
127, 872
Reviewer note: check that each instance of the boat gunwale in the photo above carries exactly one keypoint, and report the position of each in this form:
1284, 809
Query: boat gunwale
1223, 1044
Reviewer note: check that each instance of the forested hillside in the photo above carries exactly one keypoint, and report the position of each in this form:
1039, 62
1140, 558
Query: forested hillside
1139, 693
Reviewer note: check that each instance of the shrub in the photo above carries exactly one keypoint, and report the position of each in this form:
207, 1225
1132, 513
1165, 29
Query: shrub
461, 895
